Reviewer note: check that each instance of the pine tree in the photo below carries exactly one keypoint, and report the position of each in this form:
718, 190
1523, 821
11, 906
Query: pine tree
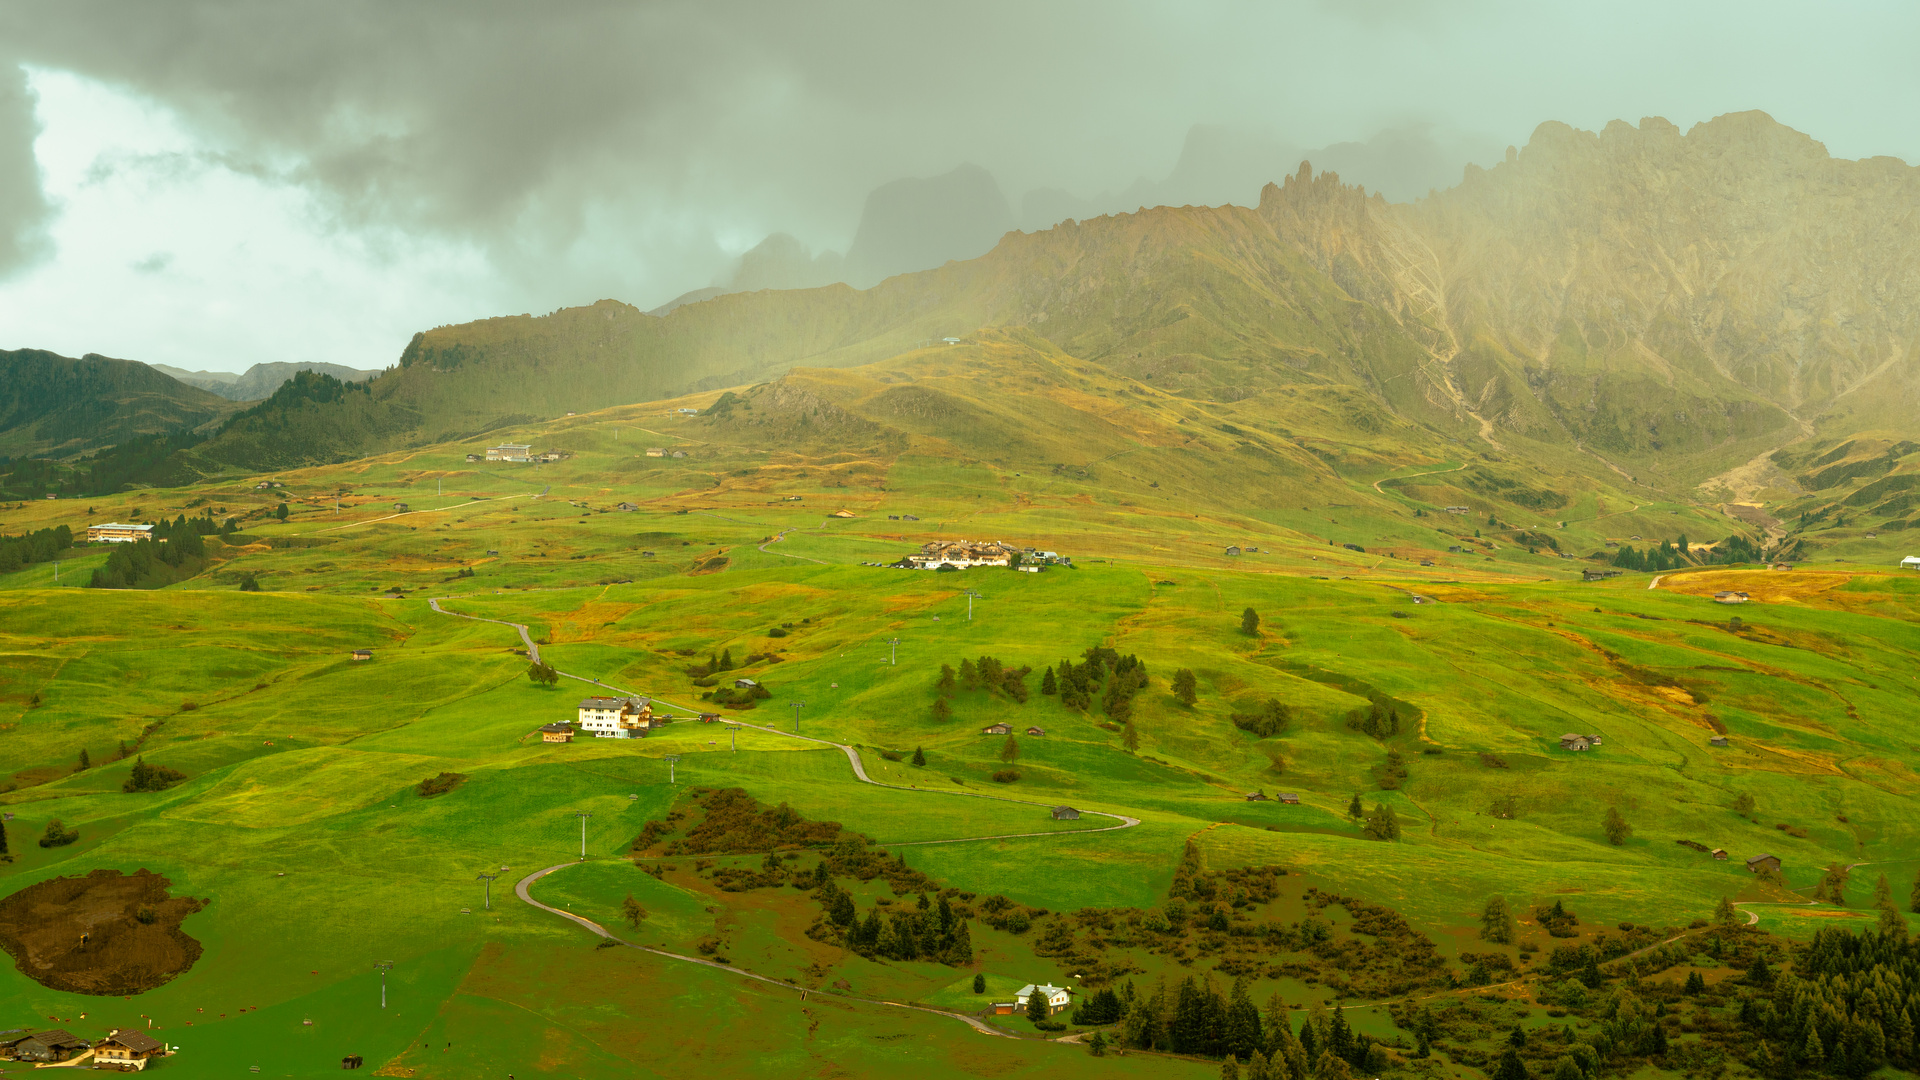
942, 711
1913, 899
1836, 884
3, 838
1882, 893
960, 953
919, 758
1230, 1069
1567, 1069
1185, 687
281, 512
1510, 1067
1354, 809
969, 675
1009, 750
726, 660
1250, 623
1049, 683
1695, 984
1097, 1046
1130, 738
1257, 1068
85, 761
979, 984
1496, 921
1037, 1006
1590, 974
1242, 1036
1724, 913
945, 685
1615, 827
1329, 1067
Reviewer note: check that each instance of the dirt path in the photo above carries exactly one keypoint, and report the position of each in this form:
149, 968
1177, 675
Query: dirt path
782, 535
411, 513
520, 889
1416, 476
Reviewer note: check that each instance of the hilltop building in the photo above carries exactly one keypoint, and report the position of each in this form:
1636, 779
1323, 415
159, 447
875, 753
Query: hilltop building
1729, 598
510, 452
557, 732
1763, 862
618, 718
1056, 997
1575, 741
960, 554
115, 533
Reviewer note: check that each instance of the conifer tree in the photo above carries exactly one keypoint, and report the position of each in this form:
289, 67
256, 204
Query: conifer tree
942, 711
1724, 913
1882, 893
920, 758
1130, 738
1354, 809
979, 984
85, 761
1913, 899
1496, 921
281, 512
1567, 1069
1049, 683
1615, 827
1036, 1006
945, 685
1185, 687
960, 953
969, 675
1329, 1067
1510, 1067
1257, 1068
1230, 1069
3, 838
1250, 623
1097, 1046
1009, 750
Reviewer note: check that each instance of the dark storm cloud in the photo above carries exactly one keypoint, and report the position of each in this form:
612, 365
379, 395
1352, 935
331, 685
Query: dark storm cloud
627, 149
23, 207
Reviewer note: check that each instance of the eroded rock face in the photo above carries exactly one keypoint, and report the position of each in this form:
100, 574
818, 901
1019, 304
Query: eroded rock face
105, 933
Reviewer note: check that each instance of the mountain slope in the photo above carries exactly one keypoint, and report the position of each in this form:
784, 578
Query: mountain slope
260, 381
54, 406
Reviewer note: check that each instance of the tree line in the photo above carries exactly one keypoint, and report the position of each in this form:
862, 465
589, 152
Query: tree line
176, 552
41, 545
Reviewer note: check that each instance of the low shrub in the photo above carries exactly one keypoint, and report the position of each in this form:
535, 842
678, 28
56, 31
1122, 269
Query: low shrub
1006, 776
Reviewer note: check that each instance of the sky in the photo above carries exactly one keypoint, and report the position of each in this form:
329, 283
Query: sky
214, 184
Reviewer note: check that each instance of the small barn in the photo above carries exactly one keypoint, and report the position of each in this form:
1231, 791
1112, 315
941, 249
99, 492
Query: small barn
997, 729
1065, 813
744, 684
1717, 740
1575, 741
54, 1045
1233, 550
1763, 861
1729, 598
556, 732
625, 507
363, 654
1289, 798
1256, 796
709, 717
1720, 853
1037, 732
399, 508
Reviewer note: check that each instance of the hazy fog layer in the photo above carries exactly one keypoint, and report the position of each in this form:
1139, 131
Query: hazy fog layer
216, 184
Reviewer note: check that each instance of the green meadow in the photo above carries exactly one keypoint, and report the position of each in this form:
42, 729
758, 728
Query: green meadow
300, 825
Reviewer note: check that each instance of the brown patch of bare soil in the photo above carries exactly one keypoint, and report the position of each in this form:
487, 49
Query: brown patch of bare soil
106, 933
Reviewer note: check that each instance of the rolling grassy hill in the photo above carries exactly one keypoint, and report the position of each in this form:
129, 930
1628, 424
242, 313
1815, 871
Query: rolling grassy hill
303, 762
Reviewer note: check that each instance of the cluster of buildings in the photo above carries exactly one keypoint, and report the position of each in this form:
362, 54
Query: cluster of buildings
962, 554
661, 451
614, 718
1057, 998
125, 1049
1575, 741
522, 452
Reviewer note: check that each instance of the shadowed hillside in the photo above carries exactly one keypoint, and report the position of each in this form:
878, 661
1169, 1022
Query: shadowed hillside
53, 406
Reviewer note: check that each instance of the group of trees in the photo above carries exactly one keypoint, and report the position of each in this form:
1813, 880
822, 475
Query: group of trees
543, 674
926, 931
1267, 719
147, 777
41, 545
1850, 1005
1675, 554
1196, 1018
1117, 678
1380, 719
987, 673
1380, 823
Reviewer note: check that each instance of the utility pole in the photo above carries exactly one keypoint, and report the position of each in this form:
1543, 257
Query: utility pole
971, 597
733, 738
488, 878
672, 760
384, 966
796, 706
893, 651
583, 816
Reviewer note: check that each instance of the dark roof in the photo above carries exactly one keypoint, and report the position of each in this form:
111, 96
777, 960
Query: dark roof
137, 1041
556, 728
602, 703
55, 1037
1761, 856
